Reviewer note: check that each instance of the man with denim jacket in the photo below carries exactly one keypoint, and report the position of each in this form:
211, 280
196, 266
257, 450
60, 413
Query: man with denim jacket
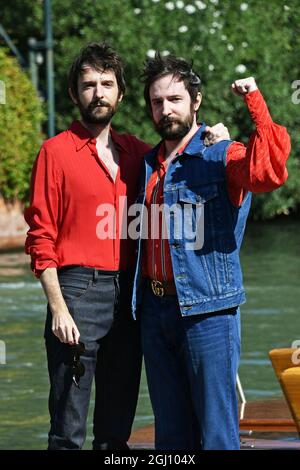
188, 282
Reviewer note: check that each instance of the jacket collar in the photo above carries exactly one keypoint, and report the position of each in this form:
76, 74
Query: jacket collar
195, 146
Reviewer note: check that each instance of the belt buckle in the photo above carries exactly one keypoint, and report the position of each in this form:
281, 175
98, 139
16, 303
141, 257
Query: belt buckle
157, 288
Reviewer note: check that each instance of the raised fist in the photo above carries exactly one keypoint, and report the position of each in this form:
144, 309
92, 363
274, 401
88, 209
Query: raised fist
243, 86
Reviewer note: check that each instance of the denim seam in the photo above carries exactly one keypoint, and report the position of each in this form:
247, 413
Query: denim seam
233, 293
230, 343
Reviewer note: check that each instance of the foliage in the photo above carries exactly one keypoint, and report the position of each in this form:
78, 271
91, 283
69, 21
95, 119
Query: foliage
226, 40
20, 118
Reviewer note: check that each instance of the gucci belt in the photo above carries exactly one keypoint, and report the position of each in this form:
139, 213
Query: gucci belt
161, 289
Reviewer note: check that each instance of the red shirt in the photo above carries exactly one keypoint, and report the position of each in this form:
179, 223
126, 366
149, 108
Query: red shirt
259, 167
69, 183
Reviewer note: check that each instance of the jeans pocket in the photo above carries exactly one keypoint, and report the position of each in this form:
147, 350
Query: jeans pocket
74, 291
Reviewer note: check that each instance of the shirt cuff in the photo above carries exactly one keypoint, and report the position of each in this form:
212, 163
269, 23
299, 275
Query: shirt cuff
38, 267
258, 108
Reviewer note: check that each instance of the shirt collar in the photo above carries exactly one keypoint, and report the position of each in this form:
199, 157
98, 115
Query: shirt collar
120, 140
82, 136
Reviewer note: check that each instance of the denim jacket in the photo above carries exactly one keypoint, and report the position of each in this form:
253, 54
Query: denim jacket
206, 267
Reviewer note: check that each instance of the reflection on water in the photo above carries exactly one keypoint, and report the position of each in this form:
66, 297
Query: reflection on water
270, 318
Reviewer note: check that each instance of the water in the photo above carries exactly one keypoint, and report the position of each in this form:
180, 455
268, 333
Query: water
270, 319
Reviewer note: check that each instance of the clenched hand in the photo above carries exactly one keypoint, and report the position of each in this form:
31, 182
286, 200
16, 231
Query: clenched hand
243, 86
216, 133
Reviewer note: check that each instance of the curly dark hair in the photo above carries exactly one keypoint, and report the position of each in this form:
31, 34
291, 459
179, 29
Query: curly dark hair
99, 56
161, 66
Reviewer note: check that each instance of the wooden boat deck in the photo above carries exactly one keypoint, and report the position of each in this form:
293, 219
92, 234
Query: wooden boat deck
266, 424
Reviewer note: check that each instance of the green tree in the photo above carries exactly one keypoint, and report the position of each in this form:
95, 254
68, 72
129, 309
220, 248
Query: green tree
20, 121
226, 40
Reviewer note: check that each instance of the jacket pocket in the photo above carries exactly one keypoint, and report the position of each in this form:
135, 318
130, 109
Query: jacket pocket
193, 202
198, 194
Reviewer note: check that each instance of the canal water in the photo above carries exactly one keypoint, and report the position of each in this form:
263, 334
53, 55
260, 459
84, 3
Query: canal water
270, 319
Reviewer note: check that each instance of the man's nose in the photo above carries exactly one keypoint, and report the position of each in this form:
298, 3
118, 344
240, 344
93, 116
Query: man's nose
99, 91
166, 108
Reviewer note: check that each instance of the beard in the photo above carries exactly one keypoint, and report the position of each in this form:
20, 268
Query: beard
97, 112
174, 128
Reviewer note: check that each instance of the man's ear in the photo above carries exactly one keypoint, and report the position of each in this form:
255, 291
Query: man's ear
198, 101
72, 96
120, 97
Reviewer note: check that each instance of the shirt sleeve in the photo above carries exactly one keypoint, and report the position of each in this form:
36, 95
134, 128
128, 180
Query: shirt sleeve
261, 166
42, 214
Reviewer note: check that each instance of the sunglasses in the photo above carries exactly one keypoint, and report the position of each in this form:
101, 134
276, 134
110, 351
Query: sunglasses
78, 368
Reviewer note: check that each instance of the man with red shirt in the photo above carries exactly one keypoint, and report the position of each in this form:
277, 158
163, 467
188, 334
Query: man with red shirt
188, 280
85, 278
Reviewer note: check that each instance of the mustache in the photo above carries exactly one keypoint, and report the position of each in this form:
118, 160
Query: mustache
164, 121
101, 103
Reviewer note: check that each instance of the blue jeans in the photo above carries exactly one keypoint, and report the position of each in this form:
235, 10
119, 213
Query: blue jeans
191, 365
100, 305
